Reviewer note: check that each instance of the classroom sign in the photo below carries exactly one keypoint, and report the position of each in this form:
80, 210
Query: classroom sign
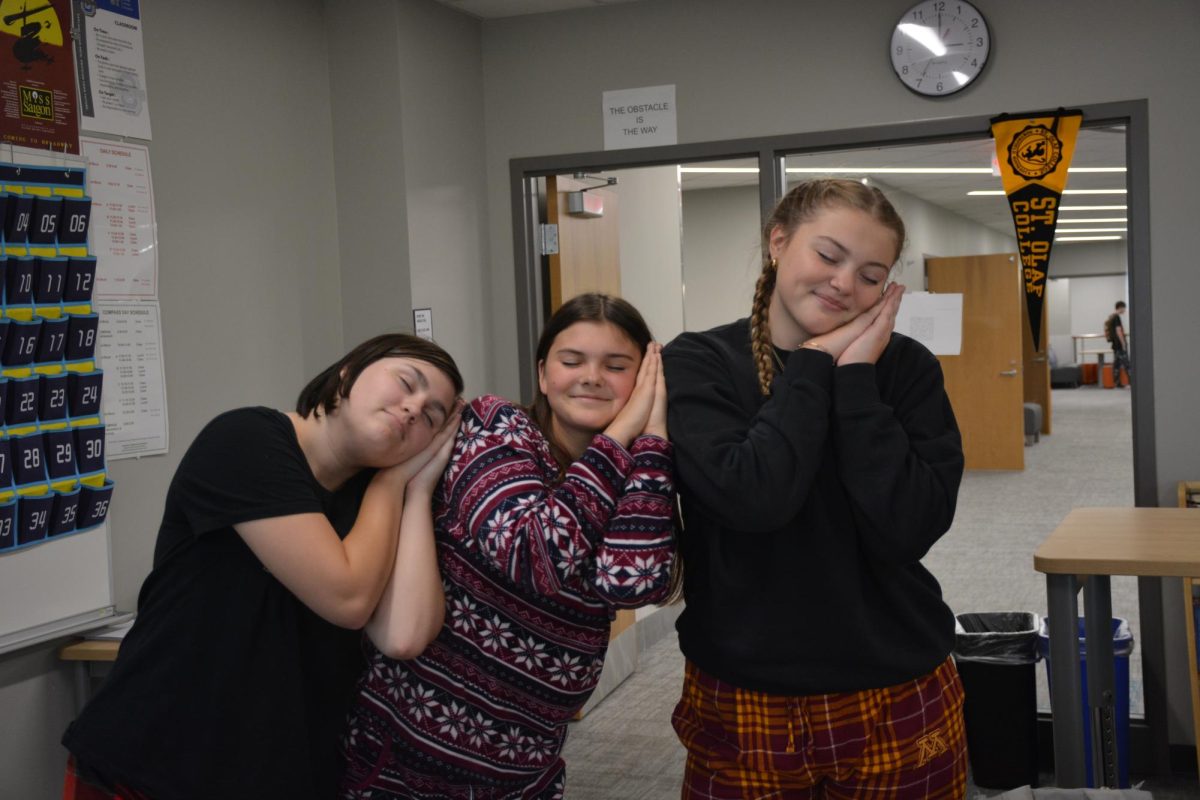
1034, 153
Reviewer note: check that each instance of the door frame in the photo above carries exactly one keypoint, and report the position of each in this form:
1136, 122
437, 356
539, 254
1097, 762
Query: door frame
770, 152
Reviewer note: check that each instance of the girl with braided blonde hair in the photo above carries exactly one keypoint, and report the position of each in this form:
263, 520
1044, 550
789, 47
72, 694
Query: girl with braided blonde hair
818, 460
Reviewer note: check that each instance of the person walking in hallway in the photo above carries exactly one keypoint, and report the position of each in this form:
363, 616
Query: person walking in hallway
1114, 331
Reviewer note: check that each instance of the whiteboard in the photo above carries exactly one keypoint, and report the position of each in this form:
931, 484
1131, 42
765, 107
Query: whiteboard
63, 585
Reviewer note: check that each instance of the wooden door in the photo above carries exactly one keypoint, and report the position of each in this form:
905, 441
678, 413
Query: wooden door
589, 248
588, 260
984, 381
1036, 375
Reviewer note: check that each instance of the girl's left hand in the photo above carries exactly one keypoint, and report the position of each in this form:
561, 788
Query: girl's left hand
632, 419
657, 422
870, 344
427, 477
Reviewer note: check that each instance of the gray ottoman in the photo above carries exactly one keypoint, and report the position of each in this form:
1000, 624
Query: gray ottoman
1033, 422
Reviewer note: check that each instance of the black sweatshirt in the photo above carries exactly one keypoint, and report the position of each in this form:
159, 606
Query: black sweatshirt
806, 513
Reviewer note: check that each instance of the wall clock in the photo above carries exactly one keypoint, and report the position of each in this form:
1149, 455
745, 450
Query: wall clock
940, 47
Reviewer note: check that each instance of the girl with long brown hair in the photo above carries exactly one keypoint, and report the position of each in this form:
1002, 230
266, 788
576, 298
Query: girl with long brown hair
548, 520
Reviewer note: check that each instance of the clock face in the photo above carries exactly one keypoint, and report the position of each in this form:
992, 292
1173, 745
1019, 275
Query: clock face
940, 46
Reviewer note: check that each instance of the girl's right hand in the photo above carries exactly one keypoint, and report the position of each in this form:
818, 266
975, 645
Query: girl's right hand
426, 467
631, 420
837, 340
426, 479
869, 346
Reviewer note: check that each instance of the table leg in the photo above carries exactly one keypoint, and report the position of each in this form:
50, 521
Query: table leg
1153, 648
1097, 604
1066, 698
83, 685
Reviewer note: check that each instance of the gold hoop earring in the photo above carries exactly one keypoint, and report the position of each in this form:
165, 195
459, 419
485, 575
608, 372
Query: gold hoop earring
774, 263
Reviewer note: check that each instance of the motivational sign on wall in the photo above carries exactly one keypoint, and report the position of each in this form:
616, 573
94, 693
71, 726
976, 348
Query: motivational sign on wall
639, 117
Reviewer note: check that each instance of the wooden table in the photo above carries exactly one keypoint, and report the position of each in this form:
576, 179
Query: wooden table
1088, 547
1100, 356
1076, 338
86, 654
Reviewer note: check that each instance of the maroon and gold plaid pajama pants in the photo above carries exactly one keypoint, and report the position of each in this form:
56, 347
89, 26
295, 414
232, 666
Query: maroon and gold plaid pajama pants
80, 784
903, 742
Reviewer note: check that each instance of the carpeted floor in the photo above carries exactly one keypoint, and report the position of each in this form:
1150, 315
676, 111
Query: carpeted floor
625, 747
985, 562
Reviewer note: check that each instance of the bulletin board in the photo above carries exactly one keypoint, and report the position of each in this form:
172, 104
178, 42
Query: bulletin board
55, 550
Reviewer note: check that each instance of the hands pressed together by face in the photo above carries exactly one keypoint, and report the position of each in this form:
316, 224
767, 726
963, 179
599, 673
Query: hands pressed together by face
421, 472
646, 409
863, 339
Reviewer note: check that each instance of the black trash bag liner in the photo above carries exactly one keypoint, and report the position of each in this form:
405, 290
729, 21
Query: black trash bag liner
997, 637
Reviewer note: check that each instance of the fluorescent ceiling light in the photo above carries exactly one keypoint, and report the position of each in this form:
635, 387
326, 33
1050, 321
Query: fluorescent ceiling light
1096, 230
1085, 238
893, 170
879, 170
1091, 221
982, 192
1093, 208
718, 170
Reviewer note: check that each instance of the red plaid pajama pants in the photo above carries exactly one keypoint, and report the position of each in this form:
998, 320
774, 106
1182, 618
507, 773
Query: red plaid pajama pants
903, 742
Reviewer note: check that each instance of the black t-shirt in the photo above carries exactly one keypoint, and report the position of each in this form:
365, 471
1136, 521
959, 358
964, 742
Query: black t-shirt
227, 685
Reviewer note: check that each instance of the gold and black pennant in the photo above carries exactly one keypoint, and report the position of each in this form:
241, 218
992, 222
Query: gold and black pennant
1034, 152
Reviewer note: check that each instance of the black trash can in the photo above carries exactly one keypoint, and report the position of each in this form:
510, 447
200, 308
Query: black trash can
996, 654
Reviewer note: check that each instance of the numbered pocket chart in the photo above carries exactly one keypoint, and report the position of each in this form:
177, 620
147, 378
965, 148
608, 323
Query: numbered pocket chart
53, 476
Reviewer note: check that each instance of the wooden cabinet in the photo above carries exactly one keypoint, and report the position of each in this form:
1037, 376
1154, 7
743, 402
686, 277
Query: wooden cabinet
1189, 497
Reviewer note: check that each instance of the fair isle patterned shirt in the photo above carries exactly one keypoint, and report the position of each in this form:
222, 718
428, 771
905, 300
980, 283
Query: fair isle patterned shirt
533, 572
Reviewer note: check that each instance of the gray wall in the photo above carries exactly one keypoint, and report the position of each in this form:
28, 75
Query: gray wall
407, 110
651, 255
298, 172
261, 145
363, 106
1088, 258
441, 94
720, 254
762, 67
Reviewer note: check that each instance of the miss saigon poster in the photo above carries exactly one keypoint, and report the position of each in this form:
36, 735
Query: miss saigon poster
37, 75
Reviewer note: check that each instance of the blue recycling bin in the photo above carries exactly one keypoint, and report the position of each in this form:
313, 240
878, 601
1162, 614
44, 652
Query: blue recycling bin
1122, 639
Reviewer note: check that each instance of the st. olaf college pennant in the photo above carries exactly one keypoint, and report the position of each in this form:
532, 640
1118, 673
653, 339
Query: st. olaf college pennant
1034, 153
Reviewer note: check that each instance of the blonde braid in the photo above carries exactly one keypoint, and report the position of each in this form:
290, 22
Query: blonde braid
760, 333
